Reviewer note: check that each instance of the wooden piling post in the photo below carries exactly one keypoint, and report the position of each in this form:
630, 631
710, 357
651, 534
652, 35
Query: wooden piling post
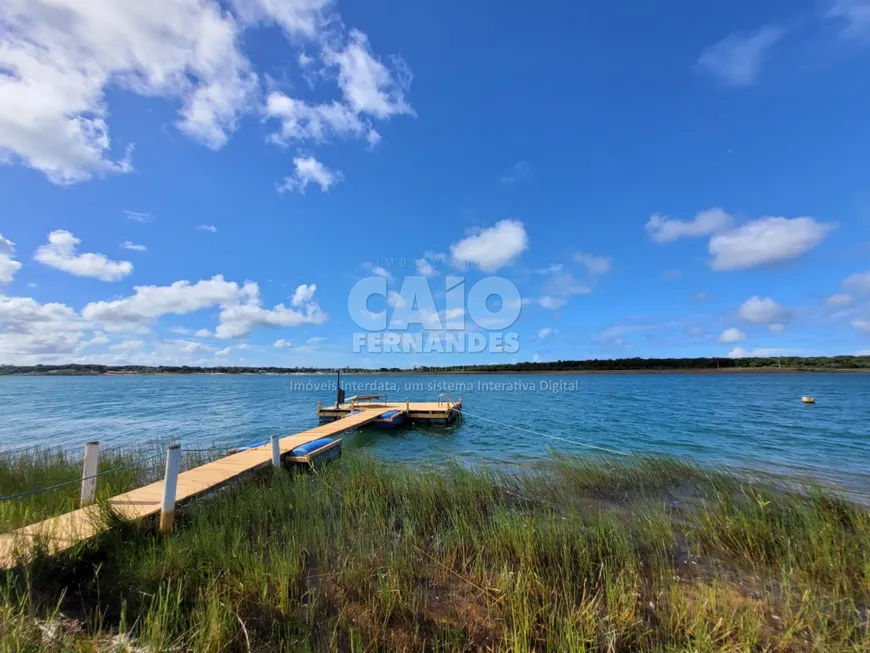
89, 470
276, 452
170, 484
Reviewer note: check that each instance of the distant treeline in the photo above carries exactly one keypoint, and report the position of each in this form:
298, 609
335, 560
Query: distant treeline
819, 363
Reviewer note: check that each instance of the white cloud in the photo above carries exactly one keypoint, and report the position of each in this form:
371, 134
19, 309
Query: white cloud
207, 227
700, 297
133, 246
595, 264
303, 295
33, 332
696, 331
760, 310
732, 335
60, 253
297, 17
861, 325
203, 333
737, 59
99, 338
150, 302
283, 344
61, 56
839, 300
518, 172
663, 229
367, 84
560, 287
137, 216
545, 333
761, 352
8, 265
226, 351
240, 319
859, 282
854, 15
128, 345
307, 170
301, 121
315, 340
425, 268
494, 247
382, 272
766, 240
237, 321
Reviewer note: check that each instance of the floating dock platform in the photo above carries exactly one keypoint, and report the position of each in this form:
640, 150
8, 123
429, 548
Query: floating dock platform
443, 412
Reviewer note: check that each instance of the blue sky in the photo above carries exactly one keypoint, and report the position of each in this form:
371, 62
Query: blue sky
195, 182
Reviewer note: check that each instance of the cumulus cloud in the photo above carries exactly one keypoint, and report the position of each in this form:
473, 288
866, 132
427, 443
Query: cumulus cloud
765, 241
301, 121
732, 335
128, 345
839, 300
545, 333
303, 295
494, 247
859, 282
861, 325
663, 229
596, 265
60, 253
240, 307
150, 302
760, 310
308, 170
283, 344
31, 332
561, 285
127, 244
8, 265
367, 84
60, 57
239, 319
737, 59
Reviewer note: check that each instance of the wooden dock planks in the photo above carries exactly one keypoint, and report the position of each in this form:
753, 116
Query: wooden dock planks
63, 532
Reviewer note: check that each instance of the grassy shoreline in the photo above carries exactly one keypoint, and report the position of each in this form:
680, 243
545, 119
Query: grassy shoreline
592, 553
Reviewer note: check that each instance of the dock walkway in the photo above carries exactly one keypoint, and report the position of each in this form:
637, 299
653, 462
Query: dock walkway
63, 532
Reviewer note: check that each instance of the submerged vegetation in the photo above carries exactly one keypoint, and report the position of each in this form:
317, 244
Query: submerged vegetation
579, 554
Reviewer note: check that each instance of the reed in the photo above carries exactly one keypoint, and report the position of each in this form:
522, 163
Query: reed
582, 554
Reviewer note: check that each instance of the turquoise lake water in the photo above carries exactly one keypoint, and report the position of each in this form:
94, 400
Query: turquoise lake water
750, 421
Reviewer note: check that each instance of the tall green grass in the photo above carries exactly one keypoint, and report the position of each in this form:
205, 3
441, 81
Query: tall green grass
36, 468
588, 554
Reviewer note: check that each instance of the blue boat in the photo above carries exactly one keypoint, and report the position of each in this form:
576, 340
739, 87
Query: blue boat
391, 419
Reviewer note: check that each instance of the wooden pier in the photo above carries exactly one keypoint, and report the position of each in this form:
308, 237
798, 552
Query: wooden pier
63, 532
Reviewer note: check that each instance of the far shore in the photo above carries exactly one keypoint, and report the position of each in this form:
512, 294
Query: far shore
725, 371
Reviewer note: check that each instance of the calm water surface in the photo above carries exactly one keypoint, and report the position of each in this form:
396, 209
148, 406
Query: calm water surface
753, 421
